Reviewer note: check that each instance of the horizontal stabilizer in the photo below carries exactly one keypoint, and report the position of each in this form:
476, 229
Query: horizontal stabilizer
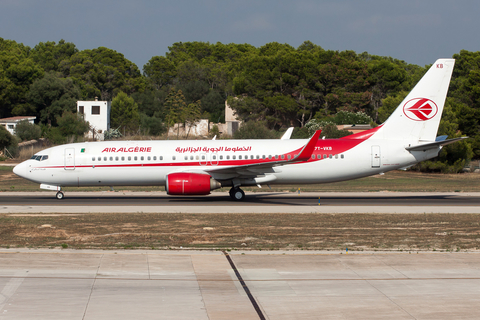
434, 145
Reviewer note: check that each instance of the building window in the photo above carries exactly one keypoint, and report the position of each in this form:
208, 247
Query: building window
81, 109
95, 109
11, 126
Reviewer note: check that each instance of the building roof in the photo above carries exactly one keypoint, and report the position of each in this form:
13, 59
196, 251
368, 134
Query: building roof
17, 119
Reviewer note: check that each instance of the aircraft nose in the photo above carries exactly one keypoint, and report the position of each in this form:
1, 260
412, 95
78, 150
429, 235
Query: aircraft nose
20, 169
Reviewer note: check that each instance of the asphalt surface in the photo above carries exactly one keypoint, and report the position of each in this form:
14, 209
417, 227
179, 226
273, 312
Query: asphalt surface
139, 199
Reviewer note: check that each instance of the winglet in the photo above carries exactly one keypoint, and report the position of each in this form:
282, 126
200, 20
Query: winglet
307, 151
287, 134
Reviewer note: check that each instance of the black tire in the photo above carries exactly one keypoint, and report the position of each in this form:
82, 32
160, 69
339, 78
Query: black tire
60, 195
238, 194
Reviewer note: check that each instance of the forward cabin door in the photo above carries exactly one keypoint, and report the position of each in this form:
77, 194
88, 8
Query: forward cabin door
375, 156
69, 159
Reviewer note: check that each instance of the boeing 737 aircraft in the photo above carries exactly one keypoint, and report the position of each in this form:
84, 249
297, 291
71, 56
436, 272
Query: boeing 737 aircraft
195, 167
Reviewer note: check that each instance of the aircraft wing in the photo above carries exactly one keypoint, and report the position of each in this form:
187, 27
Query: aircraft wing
255, 169
434, 145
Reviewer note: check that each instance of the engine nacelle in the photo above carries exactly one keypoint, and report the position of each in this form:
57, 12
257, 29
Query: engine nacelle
187, 183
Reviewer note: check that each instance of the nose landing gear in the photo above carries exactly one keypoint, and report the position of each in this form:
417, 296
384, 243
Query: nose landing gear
237, 194
60, 195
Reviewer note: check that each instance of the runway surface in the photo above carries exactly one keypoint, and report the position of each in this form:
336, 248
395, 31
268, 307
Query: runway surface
381, 202
94, 284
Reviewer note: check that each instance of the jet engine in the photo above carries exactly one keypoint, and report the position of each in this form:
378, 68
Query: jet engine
187, 183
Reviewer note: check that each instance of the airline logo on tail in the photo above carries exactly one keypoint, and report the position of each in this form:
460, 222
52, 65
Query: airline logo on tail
420, 109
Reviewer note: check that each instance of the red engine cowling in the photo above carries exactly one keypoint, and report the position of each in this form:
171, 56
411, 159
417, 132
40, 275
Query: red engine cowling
187, 183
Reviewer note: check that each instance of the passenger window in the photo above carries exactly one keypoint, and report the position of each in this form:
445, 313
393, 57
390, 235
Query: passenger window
240, 157
111, 158
99, 159
283, 156
269, 157
258, 157
289, 157
276, 157
173, 158
186, 157
324, 156
116, 158
342, 156
203, 157
161, 157
149, 158
129, 158
336, 156
191, 157
196, 158
214, 157
330, 156
135, 158
319, 156
142, 158
228, 157
123, 158
313, 156
104, 158
263, 157
234, 157
221, 157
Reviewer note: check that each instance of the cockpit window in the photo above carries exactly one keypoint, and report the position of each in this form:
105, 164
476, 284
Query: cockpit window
39, 157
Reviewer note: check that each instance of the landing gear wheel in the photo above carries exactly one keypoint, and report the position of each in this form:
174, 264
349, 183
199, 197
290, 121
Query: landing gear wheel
60, 195
237, 194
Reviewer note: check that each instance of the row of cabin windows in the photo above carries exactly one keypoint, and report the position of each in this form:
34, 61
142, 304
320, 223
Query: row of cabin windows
129, 158
203, 157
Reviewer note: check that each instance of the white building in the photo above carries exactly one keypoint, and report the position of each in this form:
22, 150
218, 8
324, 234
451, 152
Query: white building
97, 113
11, 123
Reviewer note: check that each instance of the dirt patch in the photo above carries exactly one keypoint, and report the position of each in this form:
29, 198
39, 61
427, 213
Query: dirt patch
451, 232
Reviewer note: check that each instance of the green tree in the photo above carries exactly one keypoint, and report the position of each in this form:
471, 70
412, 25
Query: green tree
52, 95
49, 55
71, 127
124, 113
174, 108
26, 131
103, 72
6, 139
17, 73
255, 130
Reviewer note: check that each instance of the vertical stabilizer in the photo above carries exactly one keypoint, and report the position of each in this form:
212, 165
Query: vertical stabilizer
417, 118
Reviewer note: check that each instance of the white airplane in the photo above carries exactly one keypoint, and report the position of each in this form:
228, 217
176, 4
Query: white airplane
195, 167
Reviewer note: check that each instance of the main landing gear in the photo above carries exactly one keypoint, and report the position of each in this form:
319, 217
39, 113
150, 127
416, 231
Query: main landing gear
237, 194
60, 195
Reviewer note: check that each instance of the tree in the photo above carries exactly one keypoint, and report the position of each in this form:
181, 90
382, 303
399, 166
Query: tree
103, 72
124, 113
6, 139
255, 130
174, 108
26, 131
49, 55
71, 128
191, 115
17, 73
52, 95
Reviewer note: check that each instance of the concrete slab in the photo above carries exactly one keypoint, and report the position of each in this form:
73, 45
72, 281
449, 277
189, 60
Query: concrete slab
94, 284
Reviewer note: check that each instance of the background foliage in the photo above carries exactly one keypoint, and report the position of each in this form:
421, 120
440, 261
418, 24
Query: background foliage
275, 85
